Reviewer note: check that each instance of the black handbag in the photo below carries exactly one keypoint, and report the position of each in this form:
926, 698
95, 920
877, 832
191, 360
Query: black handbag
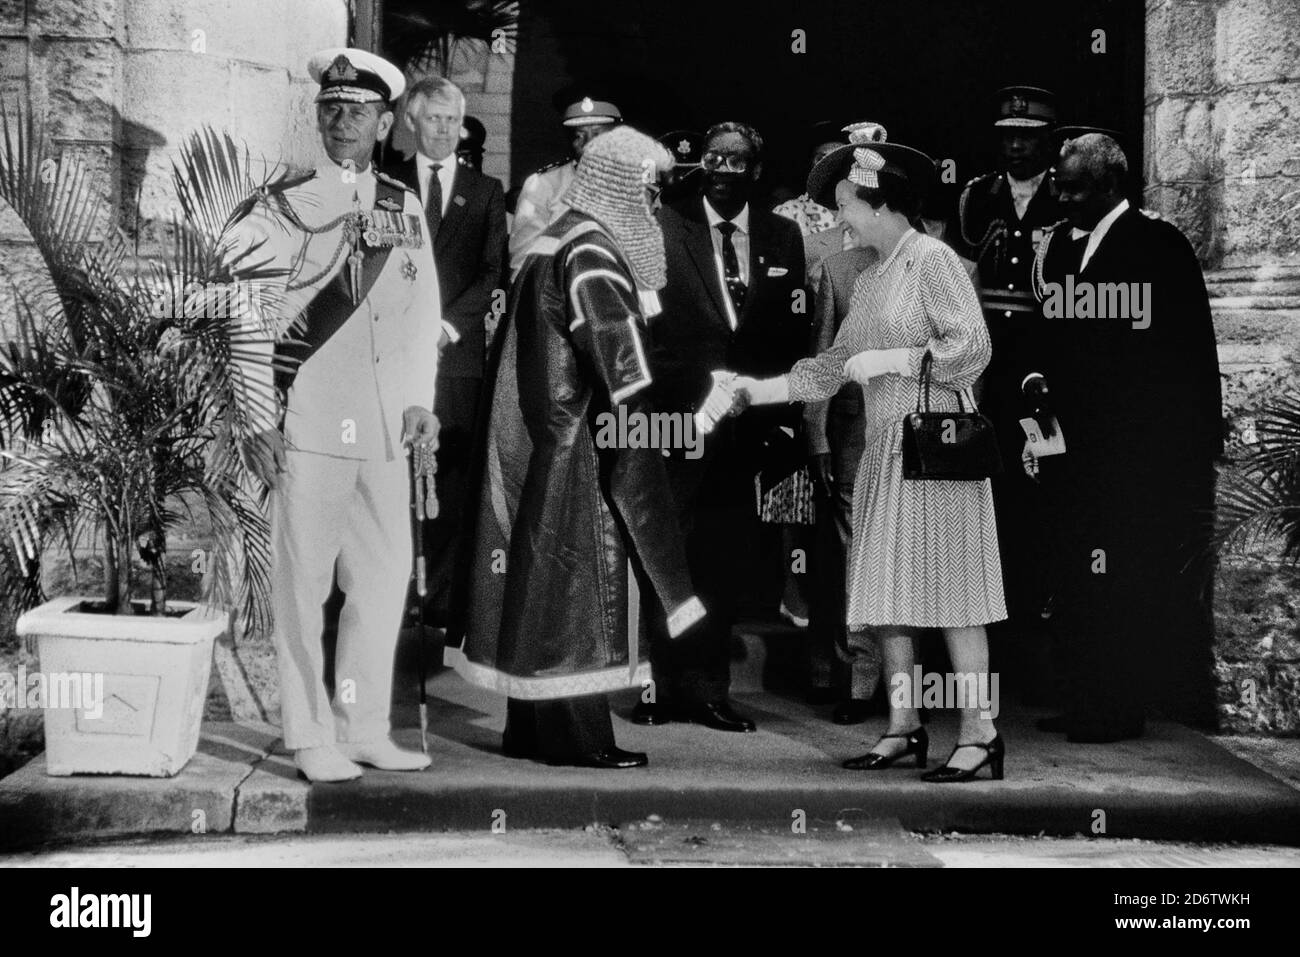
948, 446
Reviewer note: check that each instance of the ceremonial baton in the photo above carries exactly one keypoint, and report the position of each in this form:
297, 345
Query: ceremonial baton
419, 490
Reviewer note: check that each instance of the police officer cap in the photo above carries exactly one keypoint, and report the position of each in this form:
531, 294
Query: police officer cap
355, 76
1026, 107
687, 146
589, 112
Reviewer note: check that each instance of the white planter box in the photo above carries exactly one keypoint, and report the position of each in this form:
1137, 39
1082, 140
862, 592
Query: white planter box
154, 674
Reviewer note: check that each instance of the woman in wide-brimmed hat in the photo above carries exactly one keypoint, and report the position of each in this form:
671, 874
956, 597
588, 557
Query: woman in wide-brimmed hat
924, 553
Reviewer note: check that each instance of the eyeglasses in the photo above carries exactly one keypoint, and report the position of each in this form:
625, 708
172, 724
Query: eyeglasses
652, 192
714, 161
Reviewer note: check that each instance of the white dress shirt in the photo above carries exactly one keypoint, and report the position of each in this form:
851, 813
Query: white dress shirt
446, 176
740, 240
1023, 190
1099, 231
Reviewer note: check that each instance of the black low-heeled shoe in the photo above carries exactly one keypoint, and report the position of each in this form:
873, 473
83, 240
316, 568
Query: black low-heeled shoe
918, 743
995, 754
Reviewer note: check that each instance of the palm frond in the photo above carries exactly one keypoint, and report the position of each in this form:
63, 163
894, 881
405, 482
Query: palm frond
423, 34
1259, 497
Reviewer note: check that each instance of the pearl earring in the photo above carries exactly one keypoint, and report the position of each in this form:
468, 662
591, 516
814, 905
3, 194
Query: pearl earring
875, 214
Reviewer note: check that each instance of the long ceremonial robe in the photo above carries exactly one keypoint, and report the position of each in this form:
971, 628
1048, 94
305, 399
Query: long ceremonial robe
547, 611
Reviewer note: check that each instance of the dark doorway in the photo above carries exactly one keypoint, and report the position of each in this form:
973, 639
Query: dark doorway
926, 69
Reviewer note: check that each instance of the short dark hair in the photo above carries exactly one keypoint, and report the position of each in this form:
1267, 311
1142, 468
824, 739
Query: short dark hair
745, 130
895, 192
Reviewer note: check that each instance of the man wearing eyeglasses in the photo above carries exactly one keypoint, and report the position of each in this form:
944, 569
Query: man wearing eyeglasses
734, 300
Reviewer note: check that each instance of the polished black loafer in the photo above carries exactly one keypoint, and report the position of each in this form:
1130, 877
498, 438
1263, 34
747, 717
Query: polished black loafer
613, 758
720, 716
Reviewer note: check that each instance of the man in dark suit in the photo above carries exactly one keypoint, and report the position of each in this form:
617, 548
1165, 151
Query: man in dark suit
465, 211
1133, 379
735, 300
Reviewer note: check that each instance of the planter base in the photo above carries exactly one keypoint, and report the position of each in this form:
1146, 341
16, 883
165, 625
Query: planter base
122, 694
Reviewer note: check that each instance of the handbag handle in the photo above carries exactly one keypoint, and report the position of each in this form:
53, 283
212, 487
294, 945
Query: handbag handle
923, 382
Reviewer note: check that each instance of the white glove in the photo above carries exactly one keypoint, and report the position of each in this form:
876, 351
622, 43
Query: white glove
720, 402
865, 366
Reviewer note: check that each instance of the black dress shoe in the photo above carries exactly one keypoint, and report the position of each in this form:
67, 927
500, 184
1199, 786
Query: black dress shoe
613, 758
720, 716
1056, 724
995, 753
854, 711
650, 713
918, 743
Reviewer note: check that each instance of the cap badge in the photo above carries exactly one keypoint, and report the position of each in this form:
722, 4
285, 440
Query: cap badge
587, 106
1018, 106
684, 147
341, 70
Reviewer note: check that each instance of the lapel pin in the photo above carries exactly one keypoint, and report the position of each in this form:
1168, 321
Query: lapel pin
458, 200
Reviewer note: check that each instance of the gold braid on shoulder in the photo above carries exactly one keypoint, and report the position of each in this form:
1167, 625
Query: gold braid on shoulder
1040, 255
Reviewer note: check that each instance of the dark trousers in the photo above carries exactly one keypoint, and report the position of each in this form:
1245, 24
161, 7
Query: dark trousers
1137, 626
717, 510
558, 730
456, 404
839, 658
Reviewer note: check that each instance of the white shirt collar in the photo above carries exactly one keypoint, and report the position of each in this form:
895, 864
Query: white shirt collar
1099, 231
714, 217
426, 163
334, 181
1027, 185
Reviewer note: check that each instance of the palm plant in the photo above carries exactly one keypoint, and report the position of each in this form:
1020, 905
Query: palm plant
128, 390
1259, 498
424, 35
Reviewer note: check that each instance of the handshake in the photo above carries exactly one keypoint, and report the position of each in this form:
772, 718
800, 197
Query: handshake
729, 396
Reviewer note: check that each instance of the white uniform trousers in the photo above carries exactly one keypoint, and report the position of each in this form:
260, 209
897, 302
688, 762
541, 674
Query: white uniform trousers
357, 512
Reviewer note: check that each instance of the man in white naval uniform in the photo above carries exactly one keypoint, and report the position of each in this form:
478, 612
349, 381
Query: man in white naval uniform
359, 386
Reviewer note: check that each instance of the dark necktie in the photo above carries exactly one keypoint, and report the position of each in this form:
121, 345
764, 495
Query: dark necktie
433, 208
731, 266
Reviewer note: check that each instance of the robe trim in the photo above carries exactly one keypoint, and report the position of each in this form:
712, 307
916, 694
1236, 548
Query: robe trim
633, 387
582, 277
617, 678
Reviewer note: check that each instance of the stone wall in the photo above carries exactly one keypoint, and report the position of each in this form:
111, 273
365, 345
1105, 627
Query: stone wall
122, 82
1223, 162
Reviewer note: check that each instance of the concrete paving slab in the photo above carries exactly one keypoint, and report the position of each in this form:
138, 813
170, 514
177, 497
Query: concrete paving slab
867, 844
1173, 784
36, 808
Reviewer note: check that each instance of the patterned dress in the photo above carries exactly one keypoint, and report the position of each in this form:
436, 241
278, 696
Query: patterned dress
924, 553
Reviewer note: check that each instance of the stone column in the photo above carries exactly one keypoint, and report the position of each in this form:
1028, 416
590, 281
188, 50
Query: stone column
238, 65
1223, 162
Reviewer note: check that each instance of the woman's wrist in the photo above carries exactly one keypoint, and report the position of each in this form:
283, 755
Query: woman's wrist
766, 391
